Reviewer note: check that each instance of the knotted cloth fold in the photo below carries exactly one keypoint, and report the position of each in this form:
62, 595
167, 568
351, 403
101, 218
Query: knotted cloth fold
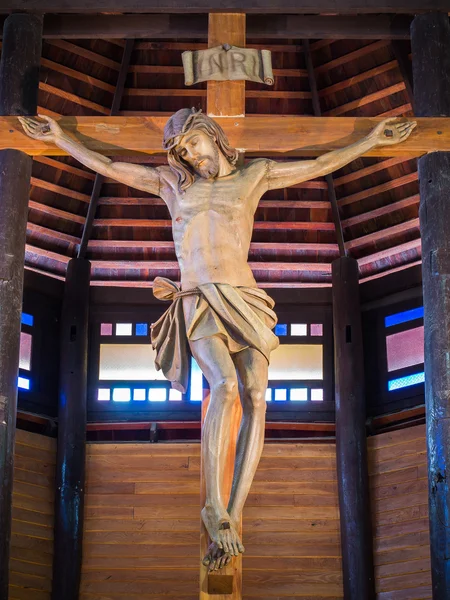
242, 316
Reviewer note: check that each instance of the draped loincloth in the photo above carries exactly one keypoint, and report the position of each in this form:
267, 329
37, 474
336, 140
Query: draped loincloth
243, 317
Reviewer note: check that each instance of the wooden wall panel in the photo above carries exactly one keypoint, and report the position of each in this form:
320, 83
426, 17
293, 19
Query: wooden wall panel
398, 474
32, 526
142, 523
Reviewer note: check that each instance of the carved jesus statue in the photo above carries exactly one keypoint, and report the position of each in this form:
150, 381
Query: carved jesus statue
218, 313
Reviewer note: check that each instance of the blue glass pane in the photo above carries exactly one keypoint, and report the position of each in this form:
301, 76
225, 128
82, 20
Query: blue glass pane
27, 319
141, 328
24, 383
402, 382
281, 329
404, 317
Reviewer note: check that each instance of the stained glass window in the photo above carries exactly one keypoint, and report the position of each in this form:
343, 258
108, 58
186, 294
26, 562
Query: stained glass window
25, 351
408, 380
405, 349
128, 362
404, 316
296, 361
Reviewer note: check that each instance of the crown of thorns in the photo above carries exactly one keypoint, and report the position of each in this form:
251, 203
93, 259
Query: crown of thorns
178, 125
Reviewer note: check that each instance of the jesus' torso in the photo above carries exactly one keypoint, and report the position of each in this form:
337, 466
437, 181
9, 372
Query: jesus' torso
212, 224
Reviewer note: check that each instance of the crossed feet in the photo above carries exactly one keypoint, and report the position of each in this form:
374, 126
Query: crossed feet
225, 541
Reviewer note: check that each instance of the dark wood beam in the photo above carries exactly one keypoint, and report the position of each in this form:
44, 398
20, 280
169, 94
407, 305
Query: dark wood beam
248, 6
328, 178
100, 179
402, 50
70, 459
19, 78
173, 26
430, 41
351, 445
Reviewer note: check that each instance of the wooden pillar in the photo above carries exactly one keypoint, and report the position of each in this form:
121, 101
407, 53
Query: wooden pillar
70, 461
430, 41
19, 80
351, 445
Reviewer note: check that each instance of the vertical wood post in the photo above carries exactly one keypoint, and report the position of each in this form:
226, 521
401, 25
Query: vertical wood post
225, 99
351, 444
430, 42
19, 81
70, 460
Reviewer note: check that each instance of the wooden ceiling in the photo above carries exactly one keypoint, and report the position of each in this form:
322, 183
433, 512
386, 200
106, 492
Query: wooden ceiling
294, 240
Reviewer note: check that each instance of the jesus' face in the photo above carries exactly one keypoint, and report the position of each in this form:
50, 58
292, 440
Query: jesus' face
200, 151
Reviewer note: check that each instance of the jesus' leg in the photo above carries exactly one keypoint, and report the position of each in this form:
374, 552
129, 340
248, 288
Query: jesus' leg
214, 360
252, 369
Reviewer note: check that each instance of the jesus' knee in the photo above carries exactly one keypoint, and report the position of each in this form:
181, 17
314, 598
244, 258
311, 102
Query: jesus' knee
225, 391
254, 401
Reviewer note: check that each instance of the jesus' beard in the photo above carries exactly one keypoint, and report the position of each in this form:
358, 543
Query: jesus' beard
210, 165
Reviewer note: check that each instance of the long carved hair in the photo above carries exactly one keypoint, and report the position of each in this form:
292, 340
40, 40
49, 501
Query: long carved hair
180, 124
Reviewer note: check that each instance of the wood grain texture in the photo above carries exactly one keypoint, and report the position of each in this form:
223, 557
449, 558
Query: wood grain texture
141, 534
399, 499
32, 512
296, 136
226, 98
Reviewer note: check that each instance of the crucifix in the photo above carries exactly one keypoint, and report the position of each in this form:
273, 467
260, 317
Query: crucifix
218, 312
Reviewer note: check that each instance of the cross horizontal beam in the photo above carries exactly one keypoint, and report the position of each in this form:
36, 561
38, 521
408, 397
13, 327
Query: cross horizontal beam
256, 136
247, 6
173, 26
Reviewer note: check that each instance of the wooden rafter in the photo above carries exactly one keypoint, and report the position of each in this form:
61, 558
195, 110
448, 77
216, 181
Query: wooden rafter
329, 178
295, 136
99, 179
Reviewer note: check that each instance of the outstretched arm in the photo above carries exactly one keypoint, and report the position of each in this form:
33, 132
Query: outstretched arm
386, 133
142, 178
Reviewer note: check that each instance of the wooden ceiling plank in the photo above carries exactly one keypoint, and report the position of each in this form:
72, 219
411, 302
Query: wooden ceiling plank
296, 204
142, 283
57, 235
84, 53
365, 171
352, 56
59, 189
295, 136
47, 254
201, 93
366, 99
383, 210
169, 245
51, 89
383, 234
390, 252
379, 189
56, 212
346, 83
259, 225
61, 166
399, 111
50, 64
158, 265
347, 7
390, 271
